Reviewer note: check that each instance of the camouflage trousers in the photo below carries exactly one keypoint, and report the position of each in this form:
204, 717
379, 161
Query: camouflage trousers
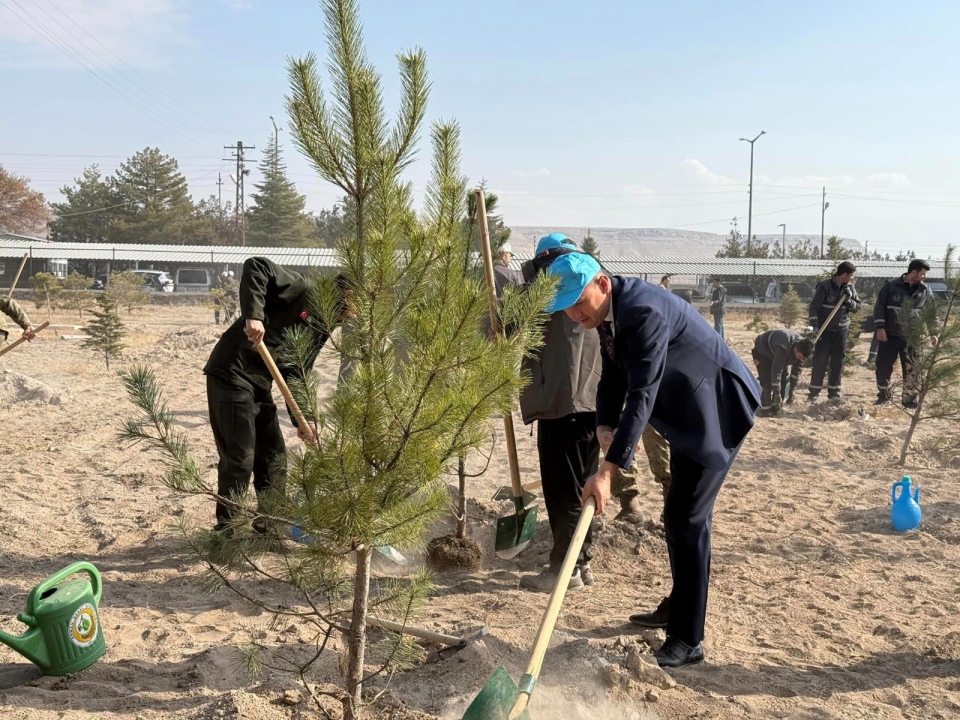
657, 449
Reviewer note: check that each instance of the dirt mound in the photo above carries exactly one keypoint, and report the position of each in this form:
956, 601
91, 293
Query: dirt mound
452, 553
814, 447
835, 412
17, 388
183, 342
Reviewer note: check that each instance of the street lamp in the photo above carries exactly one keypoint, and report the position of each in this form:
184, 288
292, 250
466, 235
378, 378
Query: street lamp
823, 216
783, 242
750, 207
276, 144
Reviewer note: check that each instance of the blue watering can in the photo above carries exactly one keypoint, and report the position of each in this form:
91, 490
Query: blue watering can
905, 512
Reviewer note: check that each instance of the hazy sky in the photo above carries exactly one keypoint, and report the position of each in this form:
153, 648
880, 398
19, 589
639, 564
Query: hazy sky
613, 114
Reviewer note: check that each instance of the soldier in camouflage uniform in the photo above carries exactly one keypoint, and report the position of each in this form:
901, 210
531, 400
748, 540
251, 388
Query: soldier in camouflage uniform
11, 308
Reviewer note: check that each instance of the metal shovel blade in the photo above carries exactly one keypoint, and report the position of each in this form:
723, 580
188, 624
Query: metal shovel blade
506, 493
495, 700
514, 532
389, 551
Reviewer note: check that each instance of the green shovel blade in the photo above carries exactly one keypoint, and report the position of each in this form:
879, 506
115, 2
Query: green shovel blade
495, 700
515, 532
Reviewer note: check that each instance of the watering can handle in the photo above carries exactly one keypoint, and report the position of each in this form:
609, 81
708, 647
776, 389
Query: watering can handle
893, 490
84, 567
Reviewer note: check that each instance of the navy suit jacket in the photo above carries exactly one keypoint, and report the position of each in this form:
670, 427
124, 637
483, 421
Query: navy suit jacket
671, 369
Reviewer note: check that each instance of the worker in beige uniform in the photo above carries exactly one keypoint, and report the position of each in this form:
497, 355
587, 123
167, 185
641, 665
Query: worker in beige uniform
657, 450
12, 309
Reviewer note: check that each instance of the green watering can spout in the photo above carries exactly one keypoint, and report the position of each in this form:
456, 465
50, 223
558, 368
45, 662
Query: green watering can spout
30, 644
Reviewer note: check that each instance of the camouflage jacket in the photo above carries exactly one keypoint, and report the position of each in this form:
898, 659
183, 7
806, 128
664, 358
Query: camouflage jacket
11, 308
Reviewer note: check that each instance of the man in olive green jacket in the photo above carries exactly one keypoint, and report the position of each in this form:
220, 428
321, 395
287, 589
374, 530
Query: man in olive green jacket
10, 307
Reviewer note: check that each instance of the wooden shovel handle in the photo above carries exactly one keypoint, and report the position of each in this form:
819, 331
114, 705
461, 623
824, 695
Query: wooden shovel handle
485, 252
553, 606
14, 344
16, 278
281, 383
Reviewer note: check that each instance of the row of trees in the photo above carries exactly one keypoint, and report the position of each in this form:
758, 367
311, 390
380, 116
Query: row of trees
736, 246
147, 200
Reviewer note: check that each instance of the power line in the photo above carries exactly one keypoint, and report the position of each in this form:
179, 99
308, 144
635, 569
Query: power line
38, 27
129, 67
771, 212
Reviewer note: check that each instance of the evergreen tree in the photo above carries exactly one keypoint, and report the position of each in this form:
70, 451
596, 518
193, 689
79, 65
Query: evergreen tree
426, 377
105, 331
276, 216
126, 289
804, 250
791, 307
733, 247
155, 206
935, 376
589, 246
499, 233
835, 250
88, 212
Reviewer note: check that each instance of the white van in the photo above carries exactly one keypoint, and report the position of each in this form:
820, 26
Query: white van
192, 280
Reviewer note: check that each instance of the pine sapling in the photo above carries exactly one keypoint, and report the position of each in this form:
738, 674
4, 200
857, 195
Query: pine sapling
791, 308
932, 333
105, 331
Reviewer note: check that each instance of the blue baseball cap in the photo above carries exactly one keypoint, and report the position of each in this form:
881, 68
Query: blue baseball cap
554, 240
575, 271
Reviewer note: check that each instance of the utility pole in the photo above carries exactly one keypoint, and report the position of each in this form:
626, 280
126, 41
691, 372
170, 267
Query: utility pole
219, 193
750, 207
783, 243
276, 146
238, 210
823, 216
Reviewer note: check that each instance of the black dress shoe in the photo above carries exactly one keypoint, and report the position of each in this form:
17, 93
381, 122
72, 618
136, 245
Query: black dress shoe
676, 653
656, 619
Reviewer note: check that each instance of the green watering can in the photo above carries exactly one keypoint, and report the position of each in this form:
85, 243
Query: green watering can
65, 634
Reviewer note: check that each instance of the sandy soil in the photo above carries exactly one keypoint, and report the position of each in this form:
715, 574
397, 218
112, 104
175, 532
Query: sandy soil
818, 609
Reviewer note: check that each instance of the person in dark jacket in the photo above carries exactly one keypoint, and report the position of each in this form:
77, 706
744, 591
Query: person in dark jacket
561, 398
663, 365
773, 353
243, 415
832, 346
718, 305
909, 288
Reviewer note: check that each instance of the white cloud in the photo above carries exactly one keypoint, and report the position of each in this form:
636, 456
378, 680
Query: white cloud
693, 169
91, 33
889, 179
635, 189
542, 172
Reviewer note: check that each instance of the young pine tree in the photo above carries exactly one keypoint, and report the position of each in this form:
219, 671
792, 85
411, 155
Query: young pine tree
934, 377
791, 308
105, 331
425, 382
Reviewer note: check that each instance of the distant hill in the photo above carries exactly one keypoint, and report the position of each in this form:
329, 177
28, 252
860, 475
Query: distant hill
626, 242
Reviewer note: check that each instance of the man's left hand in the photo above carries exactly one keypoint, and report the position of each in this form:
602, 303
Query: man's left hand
598, 486
934, 340
306, 433
29, 333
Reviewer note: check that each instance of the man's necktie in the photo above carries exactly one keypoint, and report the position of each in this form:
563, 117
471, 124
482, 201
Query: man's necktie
606, 336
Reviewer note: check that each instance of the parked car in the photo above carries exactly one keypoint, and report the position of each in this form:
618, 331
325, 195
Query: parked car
193, 280
740, 293
939, 289
156, 280
688, 293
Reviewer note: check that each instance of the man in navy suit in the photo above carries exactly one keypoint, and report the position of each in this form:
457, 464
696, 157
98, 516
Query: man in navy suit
663, 365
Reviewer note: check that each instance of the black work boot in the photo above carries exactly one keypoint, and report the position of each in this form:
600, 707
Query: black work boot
656, 619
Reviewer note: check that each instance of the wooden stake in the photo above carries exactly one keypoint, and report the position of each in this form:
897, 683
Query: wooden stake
16, 278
